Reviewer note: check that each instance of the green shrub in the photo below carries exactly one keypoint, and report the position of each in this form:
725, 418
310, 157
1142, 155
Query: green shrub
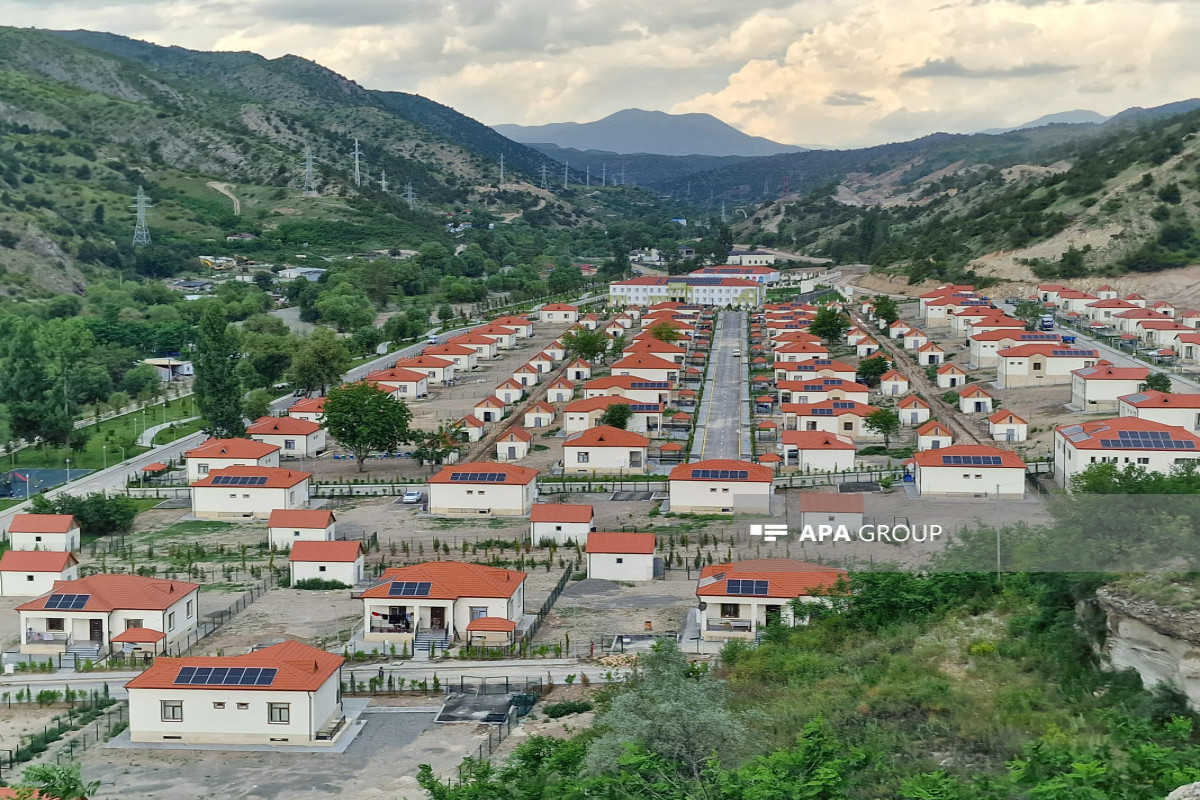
319, 583
556, 710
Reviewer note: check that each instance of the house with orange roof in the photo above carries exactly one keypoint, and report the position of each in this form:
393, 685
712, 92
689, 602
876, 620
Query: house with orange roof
818, 390
286, 526
29, 573
408, 383
473, 426
1180, 410
605, 450
285, 694
984, 345
1105, 310
816, 451
510, 392
580, 415
934, 435
740, 598
560, 390
961, 321
578, 370
485, 347
1041, 364
237, 492
1107, 292
950, 376
527, 374
628, 387
996, 323
504, 338
437, 602
558, 313
482, 489
543, 361
815, 368
308, 408
555, 350
647, 367
930, 355
1150, 445
343, 562
974, 399
721, 486
218, 454
561, 523
539, 415
898, 328
490, 409
57, 532
513, 444
832, 509
913, 410
1005, 426
295, 438
866, 347
842, 417
82, 616
660, 349
794, 352
523, 326
465, 357
438, 370
914, 339
969, 470
893, 384
1100, 387
620, 556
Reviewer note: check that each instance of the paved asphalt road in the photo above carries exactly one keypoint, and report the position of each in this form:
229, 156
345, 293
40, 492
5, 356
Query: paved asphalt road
721, 412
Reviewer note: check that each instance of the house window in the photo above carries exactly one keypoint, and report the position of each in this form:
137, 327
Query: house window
1143, 461
233, 497
246, 497
37, 538
295, 533
172, 710
478, 611
56, 624
279, 713
171, 621
289, 444
730, 610
321, 568
218, 705
558, 527
28, 577
202, 469
620, 561
481, 491
581, 457
134, 623
243, 706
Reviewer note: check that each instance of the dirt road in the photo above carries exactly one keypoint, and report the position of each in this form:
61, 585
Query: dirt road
227, 190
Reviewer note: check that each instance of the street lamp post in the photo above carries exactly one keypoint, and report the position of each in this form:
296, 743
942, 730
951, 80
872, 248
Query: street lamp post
68, 470
104, 453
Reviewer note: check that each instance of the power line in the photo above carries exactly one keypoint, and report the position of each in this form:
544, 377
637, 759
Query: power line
141, 233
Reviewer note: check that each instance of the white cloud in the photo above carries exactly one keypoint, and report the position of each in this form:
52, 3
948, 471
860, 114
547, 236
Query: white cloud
840, 72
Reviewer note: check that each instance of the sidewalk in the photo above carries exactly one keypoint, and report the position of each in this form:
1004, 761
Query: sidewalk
146, 437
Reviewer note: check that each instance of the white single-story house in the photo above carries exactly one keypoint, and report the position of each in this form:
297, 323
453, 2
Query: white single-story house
913, 410
170, 369
933, 435
343, 562
893, 384
409, 384
605, 450
249, 492
57, 532
436, 602
527, 375
513, 444
285, 527
1005, 426
628, 387
738, 599
465, 357
308, 408
561, 523
83, 615
539, 415
620, 556
1179, 410
930, 355
29, 573
438, 370
483, 488
816, 451
297, 438
505, 338
1041, 364
485, 347
950, 376
560, 391
473, 426
832, 509
221, 453
650, 368
974, 399
521, 326
490, 409
1124, 440
286, 694
583, 414
1100, 388
721, 486
510, 392
558, 313
970, 471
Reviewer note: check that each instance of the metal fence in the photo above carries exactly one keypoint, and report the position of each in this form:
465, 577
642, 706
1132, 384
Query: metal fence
88, 723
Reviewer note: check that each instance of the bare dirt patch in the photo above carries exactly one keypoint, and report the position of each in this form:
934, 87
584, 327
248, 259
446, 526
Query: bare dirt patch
313, 617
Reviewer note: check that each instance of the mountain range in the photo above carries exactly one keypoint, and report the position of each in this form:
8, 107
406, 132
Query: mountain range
653, 132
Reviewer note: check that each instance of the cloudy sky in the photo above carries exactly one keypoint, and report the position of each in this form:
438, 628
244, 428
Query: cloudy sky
833, 72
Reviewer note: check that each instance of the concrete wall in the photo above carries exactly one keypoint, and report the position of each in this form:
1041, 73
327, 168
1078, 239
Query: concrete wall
970, 480
621, 566
216, 502
498, 500
347, 572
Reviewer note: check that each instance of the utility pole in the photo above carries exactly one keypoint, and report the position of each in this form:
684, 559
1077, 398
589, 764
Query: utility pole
409, 198
310, 178
141, 233
357, 164
501, 183
383, 181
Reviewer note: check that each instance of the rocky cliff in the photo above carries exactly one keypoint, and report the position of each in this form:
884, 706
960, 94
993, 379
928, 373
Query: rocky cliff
1161, 643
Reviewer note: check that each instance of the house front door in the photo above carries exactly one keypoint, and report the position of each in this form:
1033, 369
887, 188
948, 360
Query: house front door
979, 407
635, 459
96, 630
437, 618
512, 453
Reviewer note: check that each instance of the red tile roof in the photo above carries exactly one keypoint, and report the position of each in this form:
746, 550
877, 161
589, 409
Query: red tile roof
426, 362
636, 543
282, 426
934, 428
816, 440
513, 475
602, 403
326, 551
757, 472
42, 523
309, 405
36, 561
912, 401
451, 580
934, 458
786, 577
1105, 371
832, 502
107, 592
973, 390
448, 350
561, 512
139, 636
643, 361
157, 466
837, 407
518, 433
1003, 416
232, 448
301, 668
558, 307
1151, 398
607, 436
491, 624
398, 375
315, 518
1089, 435
277, 477
491, 402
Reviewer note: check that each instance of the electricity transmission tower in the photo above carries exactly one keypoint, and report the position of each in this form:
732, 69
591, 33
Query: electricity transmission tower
501, 183
357, 164
409, 198
141, 234
565, 168
587, 172
383, 181
545, 173
724, 218
310, 178
603, 174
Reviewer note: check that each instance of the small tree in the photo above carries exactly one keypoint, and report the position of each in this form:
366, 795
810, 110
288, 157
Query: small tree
435, 446
885, 308
1029, 312
586, 344
1157, 381
870, 370
885, 422
62, 783
257, 404
366, 420
617, 415
829, 323
664, 332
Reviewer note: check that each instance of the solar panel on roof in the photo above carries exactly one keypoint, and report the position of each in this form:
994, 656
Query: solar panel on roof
225, 676
409, 589
1072, 353
721, 474
67, 602
842, 404
746, 587
822, 412
1136, 398
477, 477
975, 461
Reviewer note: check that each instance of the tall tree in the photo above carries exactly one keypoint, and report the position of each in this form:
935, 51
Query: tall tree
870, 370
664, 332
885, 308
218, 390
1157, 381
885, 422
365, 420
25, 386
434, 447
829, 323
321, 361
617, 415
585, 344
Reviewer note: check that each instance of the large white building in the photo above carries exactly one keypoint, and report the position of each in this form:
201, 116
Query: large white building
704, 290
966, 470
483, 488
1122, 441
739, 599
249, 492
286, 694
721, 486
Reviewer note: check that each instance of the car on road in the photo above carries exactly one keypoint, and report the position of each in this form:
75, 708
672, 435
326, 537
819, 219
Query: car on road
737, 353
412, 496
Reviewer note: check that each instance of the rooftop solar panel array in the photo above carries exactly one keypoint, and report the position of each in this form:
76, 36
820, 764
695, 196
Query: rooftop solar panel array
1073, 353
1148, 440
757, 588
821, 412
67, 602
409, 589
650, 385
225, 676
477, 477
1136, 398
842, 404
721, 474
974, 461
239, 480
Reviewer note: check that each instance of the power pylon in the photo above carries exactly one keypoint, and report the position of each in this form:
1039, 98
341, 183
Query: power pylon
409, 198
310, 177
383, 184
141, 233
357, 164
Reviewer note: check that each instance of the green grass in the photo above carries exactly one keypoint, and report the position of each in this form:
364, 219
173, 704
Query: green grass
179, 431
6, 504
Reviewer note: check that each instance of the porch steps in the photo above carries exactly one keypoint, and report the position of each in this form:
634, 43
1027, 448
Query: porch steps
423, 640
